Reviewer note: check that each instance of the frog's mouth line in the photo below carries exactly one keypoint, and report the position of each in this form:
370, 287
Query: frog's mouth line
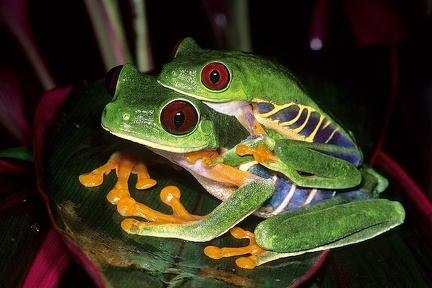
179, 150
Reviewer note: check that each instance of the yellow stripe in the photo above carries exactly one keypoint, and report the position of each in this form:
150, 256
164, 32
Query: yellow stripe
311, 137
302, 126
282, 127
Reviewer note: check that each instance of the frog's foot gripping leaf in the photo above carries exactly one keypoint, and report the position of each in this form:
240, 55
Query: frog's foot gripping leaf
186, 226
252, 192
253, 249
256, 254
170, 195
125, 164
327, 225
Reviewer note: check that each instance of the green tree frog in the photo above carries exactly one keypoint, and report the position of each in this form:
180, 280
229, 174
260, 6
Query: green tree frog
204, 141
268, 100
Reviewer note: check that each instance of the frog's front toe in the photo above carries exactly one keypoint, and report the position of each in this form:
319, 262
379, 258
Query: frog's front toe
116, 194
124, 163
208, 157
143, 184
131, 226
91, 179
261, 153
170, 195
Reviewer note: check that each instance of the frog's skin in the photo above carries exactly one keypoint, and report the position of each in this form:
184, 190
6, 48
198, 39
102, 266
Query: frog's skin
192, 135
268, 100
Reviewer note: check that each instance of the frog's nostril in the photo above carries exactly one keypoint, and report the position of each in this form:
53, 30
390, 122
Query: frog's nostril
126, 117
172, 73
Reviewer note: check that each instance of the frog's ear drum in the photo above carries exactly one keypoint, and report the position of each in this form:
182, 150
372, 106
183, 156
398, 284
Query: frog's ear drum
111, 79
179, 117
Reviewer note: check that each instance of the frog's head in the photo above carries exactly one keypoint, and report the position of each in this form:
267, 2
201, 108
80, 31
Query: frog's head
205, 74
147, 113
222, 76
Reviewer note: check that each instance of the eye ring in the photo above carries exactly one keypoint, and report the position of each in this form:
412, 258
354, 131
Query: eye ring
111, 79
215, 76
179, 117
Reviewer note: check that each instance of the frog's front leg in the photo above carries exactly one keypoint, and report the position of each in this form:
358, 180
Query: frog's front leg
250, 195
170, 195
320, 227
125, 163
306, 164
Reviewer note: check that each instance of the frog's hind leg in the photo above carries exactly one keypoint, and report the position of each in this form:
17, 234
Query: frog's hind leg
329, 224
333, 223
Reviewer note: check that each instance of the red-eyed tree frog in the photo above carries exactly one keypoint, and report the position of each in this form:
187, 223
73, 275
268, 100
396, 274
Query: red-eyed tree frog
308, 145
204, 141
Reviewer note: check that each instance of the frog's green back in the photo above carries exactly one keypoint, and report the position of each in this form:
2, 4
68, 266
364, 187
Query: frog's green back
281, 104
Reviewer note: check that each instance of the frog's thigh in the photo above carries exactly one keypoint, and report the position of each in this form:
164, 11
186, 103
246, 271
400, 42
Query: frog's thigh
334, 226
331, 172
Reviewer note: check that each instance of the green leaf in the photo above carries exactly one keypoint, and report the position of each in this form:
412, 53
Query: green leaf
21, 153
74, 144
24, 224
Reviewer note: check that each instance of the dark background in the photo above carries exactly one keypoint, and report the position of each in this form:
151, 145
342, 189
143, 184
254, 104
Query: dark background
359, 74
351, 78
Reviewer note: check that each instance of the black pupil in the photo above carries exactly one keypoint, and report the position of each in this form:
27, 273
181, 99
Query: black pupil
179, 119
214, 76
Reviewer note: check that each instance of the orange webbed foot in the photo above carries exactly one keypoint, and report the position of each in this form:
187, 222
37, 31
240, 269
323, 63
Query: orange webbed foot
261, 153
208, 157
253, 249
170, 195
125, 164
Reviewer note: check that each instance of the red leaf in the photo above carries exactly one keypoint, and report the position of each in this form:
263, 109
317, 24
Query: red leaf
13, 118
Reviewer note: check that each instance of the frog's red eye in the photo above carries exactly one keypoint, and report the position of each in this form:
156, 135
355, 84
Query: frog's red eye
111, 79
179, 117
215, 76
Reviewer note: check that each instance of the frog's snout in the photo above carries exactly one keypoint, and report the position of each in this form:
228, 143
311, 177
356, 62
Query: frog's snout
167, 75
104, 112
104, 115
